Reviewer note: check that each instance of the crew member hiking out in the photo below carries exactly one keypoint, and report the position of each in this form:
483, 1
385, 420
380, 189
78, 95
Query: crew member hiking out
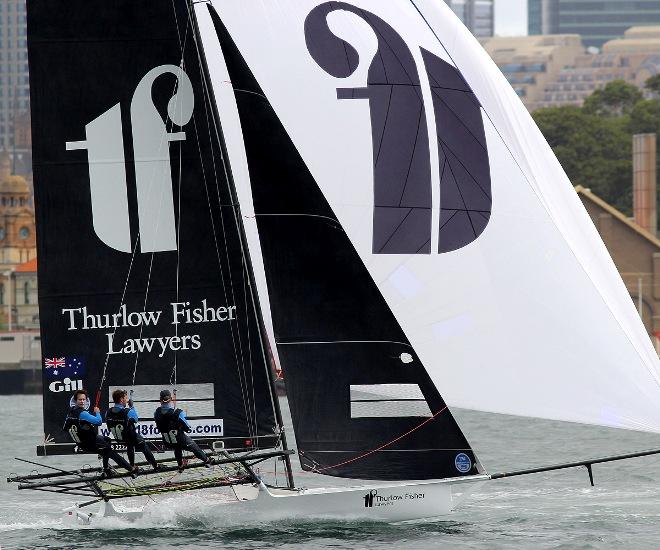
122, 421
173, 425
83, 428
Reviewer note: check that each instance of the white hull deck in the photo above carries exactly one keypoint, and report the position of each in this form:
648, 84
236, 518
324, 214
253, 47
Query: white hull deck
388, 502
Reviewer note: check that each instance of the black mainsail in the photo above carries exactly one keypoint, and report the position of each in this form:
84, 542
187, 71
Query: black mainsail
363, 406
144, 281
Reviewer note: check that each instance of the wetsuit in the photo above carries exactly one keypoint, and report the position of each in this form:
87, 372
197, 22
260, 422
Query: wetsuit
122, 423
173, 425
83, 428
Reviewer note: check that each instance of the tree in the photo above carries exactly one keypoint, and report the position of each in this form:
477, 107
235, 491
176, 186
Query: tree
617, 98
645, 117
595, 151
653, 84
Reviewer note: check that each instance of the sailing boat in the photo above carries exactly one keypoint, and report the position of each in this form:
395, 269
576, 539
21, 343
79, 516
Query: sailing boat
353, 182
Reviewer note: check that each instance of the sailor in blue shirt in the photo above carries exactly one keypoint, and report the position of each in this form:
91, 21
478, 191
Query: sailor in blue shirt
83, 428
122, 421
173, 425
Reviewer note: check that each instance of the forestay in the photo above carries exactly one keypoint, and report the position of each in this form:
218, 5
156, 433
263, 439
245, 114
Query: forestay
466, 224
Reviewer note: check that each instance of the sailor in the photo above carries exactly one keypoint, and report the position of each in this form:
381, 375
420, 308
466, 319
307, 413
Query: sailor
173, 425
83, 428
122, 421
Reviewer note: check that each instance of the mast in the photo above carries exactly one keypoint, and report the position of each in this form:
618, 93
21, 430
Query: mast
267, 356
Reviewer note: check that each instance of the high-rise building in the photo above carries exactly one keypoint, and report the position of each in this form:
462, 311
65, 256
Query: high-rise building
597, 21
14, 80
476, 15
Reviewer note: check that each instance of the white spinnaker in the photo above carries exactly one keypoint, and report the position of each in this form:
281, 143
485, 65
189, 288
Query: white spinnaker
532, 318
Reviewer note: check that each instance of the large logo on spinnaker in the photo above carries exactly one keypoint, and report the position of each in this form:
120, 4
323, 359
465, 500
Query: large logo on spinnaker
402, 214
107, 166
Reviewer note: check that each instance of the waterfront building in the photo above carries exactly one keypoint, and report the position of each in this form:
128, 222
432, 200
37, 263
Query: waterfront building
476, 15
597, 21
633, 58
530, 62
17, 226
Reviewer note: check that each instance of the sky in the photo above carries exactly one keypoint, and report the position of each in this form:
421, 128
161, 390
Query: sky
510, 17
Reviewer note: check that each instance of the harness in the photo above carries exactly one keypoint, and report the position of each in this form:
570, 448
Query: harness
171, 429
82, 432
121, 427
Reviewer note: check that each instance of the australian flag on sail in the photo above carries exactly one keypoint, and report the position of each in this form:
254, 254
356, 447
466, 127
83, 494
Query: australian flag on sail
57, 367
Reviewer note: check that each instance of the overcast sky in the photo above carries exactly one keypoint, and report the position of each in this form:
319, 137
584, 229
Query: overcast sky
510, 17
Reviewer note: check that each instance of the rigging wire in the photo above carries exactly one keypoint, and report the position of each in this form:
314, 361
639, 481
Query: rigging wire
384, 445
238, 351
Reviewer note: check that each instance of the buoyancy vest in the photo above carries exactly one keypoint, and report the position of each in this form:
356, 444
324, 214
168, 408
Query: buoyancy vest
81, 431
121, 426
170, 426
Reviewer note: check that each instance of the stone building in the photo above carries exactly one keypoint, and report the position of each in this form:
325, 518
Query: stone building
25, 299
17, 227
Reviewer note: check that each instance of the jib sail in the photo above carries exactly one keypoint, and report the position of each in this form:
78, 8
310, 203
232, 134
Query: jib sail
362, 403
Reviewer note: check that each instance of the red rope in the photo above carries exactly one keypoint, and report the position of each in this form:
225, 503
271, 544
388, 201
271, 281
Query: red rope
383, 446
98, 398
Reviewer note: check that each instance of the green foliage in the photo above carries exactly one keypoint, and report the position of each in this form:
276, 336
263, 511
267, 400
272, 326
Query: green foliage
645, 117
594, 143
653, 84
617, 98
595, 151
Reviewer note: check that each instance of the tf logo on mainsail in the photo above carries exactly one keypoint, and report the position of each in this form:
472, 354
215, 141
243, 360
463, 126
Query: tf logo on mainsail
153, 177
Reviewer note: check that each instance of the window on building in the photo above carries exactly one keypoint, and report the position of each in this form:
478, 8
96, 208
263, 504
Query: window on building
26, 293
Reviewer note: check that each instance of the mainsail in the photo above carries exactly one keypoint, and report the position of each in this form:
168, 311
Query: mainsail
517, 308
144, 280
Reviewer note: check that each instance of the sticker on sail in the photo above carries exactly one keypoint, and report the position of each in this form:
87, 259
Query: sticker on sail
66, 385
463, 463
202, 427
58, 368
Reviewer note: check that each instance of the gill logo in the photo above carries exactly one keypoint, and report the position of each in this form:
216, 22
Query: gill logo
65, 385
107, 166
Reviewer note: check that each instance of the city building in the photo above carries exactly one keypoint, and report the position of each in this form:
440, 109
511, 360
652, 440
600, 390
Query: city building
14, 79
476, 15
633, 58
530, 62
17, 227
596, 21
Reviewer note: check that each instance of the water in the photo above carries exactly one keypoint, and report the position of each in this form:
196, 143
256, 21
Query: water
553, 510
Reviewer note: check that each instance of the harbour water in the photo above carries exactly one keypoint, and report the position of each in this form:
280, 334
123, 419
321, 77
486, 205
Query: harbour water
551, 510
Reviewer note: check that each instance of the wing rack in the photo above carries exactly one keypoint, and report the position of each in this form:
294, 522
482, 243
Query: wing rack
225, 471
